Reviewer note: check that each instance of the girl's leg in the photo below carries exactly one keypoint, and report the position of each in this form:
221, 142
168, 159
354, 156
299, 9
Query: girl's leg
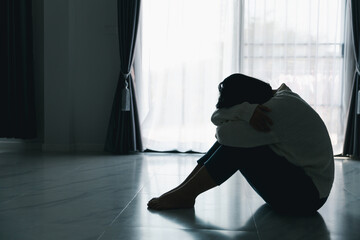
203, 180
209, 153
198, 166
281, 184
201, 162
184, 197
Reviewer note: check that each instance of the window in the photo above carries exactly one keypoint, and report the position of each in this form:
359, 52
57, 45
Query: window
185, 48
300, 43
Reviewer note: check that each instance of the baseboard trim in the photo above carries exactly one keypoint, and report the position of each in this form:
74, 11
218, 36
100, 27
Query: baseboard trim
19, 145
73, 147
7, 145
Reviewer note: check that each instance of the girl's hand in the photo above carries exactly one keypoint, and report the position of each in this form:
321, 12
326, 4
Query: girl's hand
260, 121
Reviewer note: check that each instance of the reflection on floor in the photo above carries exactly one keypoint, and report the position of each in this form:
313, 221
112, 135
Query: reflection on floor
100, 196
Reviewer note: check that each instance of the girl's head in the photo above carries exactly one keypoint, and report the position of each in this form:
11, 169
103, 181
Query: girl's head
239, 88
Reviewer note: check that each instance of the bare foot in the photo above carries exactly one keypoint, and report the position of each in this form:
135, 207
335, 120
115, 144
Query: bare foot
194, 171
172, 200
184, 197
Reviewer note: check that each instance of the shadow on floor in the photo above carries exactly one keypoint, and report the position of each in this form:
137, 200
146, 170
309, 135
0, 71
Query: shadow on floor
269, 225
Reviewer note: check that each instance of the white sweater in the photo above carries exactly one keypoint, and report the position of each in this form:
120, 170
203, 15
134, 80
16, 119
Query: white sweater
297, 133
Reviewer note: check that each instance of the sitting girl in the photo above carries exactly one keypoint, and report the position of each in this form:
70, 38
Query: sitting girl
274, 138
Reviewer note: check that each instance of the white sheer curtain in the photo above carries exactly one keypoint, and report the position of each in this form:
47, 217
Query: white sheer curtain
187, 47
300, 43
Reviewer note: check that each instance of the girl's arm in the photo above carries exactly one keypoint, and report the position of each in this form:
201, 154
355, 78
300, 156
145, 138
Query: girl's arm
239, 134
251, 113
242, 111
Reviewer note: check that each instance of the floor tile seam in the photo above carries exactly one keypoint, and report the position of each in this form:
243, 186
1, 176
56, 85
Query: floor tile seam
24, 194
48, 204
189, 228
192, 227
170, 174
12, 199
255, 224
53, 188
351, 193
256, 227
126, 206
227, 230
30, 192
117, 216
102, 234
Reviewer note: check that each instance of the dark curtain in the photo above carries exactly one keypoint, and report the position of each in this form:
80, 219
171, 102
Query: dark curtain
352, 136
17, 108
123, 134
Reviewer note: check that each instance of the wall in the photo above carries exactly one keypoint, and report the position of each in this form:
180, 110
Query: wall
80, 72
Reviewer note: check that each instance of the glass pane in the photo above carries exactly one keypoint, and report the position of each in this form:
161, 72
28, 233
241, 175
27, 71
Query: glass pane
299, 42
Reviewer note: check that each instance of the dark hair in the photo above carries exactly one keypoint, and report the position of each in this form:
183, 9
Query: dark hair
239, 88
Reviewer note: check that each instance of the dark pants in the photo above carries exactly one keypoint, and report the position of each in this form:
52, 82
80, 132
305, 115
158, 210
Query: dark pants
284, 186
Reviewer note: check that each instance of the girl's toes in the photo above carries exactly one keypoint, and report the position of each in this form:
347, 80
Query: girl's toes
153, 203
152, 200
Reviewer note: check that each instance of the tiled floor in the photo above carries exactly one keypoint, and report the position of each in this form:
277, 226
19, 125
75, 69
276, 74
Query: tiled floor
100, 196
